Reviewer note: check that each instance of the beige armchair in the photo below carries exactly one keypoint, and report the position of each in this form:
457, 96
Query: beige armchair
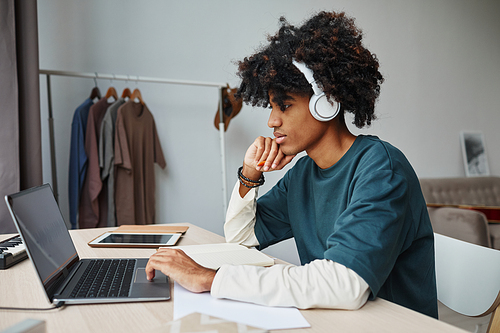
443, 195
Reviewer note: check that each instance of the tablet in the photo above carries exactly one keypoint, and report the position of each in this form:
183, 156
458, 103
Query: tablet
132, 239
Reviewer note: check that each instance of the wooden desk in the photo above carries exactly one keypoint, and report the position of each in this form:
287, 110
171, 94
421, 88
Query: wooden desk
19, 287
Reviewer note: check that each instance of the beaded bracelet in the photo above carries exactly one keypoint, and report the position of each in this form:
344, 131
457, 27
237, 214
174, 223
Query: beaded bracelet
244, 180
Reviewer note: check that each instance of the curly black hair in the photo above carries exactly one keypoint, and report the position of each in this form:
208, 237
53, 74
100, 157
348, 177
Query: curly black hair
330, 45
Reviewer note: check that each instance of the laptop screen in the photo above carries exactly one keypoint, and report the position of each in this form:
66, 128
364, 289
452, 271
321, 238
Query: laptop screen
44, 232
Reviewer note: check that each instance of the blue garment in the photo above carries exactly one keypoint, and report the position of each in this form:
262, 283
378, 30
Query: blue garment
366, 212
77, 158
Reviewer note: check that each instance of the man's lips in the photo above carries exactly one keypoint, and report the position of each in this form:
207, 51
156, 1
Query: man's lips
279, 137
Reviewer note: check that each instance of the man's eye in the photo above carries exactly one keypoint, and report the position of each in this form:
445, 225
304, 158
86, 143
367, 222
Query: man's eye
286, 106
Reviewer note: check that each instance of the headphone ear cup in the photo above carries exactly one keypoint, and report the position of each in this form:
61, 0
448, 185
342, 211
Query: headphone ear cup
321, 109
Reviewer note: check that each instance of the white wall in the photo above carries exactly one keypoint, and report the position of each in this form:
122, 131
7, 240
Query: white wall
440, 60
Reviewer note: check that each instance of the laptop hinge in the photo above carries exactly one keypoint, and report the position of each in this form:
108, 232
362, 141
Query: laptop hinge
67, 279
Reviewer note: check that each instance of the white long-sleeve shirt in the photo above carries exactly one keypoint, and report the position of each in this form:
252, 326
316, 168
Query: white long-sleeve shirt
320, 284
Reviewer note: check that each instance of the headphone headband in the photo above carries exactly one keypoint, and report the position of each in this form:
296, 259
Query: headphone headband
319, 106
308, 73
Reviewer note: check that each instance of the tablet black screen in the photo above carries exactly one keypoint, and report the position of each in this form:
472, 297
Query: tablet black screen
135, 239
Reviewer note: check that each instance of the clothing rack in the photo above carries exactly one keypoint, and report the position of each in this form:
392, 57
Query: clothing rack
96, 76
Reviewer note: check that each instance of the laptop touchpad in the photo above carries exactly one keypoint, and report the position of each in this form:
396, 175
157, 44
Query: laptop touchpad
145, 289
140, 276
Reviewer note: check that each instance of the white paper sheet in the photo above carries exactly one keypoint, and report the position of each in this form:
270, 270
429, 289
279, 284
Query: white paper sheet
269, 318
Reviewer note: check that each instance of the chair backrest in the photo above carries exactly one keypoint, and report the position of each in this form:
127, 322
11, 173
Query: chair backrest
468, 277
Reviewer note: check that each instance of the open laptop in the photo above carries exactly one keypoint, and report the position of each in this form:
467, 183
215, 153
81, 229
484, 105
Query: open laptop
62, 273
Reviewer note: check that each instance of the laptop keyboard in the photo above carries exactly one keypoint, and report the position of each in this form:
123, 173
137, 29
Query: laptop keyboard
105, 278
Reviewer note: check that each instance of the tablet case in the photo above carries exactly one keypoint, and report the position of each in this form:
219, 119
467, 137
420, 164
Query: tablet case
154, 228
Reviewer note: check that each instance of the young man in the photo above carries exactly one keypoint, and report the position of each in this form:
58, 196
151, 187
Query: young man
353, 204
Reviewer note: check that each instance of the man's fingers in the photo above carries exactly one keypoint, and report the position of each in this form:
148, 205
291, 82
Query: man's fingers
269, 154
265, 155
284, 161
150, 271
276, 159
264, 147
155, 262
181, 268
260, 147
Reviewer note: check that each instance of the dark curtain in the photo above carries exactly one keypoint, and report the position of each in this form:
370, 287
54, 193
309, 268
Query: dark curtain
20, 132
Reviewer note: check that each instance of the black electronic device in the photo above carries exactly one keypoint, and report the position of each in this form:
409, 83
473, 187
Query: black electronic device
12, 251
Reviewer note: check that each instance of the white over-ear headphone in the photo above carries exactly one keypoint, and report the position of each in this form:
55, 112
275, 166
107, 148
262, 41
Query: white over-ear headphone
319, 106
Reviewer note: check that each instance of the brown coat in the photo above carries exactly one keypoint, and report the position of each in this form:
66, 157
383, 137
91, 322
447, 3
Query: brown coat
137, 148
93, 208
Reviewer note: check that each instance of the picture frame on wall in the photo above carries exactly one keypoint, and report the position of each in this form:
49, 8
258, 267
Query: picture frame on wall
474, 154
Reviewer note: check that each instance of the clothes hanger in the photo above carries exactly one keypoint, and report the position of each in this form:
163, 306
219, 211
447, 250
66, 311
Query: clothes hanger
137, 94
126, 93
112, 93
95, 93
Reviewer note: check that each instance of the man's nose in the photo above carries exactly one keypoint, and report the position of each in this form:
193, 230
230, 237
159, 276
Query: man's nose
274, 118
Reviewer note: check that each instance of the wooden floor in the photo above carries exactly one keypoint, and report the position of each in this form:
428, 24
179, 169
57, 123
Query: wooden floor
464, 322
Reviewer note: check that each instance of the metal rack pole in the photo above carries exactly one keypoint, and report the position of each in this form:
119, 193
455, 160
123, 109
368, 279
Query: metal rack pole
222, 141
131, 78
137, 79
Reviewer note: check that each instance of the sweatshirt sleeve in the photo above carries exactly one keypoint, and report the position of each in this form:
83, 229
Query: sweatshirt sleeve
240, 218
319, 284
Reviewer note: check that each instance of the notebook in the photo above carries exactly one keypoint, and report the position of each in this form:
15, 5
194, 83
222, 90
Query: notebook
215, 255
64, 276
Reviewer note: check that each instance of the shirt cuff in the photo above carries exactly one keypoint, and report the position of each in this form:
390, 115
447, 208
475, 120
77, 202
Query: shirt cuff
240, 218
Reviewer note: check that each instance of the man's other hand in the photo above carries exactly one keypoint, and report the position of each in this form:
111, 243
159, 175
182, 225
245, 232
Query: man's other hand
181, 268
